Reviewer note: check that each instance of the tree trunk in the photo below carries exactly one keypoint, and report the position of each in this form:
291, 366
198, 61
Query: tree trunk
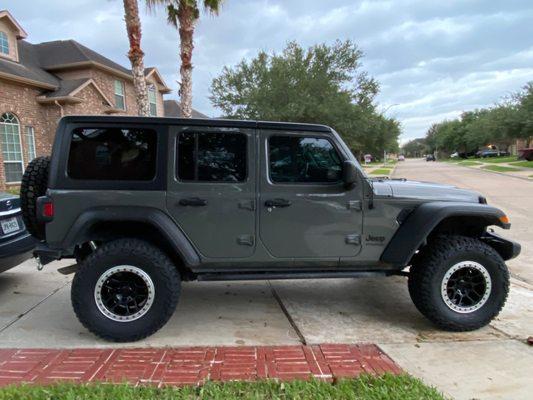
136, 55
187, 22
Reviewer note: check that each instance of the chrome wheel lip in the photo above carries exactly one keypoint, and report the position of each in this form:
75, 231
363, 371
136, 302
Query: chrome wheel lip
444, 287
124, 268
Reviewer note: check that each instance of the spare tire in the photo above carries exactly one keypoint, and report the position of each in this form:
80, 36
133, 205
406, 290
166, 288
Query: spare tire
34, 184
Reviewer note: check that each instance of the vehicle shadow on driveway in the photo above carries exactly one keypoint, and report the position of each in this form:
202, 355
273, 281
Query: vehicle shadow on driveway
362, 310
247, 313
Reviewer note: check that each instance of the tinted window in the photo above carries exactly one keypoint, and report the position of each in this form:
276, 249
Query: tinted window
113, 154
211, 157
303, 159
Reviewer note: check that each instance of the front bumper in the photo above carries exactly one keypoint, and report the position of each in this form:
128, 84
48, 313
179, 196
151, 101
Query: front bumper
508, 249
16, 250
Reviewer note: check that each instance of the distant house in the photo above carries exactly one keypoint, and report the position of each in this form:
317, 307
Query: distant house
40, 83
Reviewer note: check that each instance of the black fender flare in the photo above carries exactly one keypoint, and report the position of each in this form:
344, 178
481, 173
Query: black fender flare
156, 218
415, 229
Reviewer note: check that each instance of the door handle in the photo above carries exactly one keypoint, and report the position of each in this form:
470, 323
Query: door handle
274, 203
193, 202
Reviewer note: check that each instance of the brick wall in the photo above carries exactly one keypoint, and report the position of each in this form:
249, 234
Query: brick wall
20, 100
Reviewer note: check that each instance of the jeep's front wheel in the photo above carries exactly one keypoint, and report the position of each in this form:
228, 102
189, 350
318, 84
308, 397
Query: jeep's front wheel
459, 283
125, 291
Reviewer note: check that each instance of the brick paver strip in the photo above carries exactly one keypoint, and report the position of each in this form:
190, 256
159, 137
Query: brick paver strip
192, 365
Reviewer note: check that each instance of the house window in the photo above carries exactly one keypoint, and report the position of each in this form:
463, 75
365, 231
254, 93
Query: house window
153, 100
11, 148
120, 100
4, 43
30, 142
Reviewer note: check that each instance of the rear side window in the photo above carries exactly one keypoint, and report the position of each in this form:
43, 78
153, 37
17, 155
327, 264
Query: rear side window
211, 157
113, 154
302, 159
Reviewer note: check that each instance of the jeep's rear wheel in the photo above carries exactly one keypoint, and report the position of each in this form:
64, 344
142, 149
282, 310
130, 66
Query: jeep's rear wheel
34, 184
126, 290
459, 283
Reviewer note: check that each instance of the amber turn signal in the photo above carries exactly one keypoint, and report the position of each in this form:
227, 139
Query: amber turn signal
505, 219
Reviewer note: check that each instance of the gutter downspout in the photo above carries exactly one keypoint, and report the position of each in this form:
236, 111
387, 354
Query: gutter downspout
60, 107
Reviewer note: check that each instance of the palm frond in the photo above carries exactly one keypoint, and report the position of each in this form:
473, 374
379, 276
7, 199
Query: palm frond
213, 6
151, 5
172, 15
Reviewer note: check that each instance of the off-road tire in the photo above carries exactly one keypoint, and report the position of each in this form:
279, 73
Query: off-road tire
34, 184
427, 273
133, 252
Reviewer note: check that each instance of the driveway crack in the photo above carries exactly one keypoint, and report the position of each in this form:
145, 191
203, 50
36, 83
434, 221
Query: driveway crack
293, 324
33, 307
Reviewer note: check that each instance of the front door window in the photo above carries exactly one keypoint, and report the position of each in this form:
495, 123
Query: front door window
303, 160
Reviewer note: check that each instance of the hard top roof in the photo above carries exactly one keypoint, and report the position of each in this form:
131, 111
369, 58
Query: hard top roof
195, 121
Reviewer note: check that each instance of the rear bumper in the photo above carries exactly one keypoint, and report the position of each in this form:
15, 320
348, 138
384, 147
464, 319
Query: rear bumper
16, 250
508, 249
46, 254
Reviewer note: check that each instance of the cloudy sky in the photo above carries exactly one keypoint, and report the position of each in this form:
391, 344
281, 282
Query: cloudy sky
433, 59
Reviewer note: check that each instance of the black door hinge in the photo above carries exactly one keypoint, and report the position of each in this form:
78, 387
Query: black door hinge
353, 239
246, 240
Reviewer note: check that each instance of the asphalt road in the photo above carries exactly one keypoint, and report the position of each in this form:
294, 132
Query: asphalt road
491, 363
511, 194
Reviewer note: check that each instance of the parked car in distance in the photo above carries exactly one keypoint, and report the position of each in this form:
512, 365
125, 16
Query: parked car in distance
492, 153
454, 155
16, 243
430, 157
401, 157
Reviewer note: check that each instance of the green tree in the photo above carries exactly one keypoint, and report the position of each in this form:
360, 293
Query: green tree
321, 84
415, 148
183, 15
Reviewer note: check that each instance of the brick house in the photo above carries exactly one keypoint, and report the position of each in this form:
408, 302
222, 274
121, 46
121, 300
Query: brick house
40, 83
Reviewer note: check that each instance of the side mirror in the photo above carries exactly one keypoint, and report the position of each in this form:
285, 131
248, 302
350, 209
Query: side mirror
349, 173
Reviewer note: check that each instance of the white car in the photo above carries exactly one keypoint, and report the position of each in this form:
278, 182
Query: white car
401, 157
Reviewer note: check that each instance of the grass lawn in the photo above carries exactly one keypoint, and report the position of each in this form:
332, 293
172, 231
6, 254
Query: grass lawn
381, 171
496, 160
500, 168
523, 164
388, 387
469, 163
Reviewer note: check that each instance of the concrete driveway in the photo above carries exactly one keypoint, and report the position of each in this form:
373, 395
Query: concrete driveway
490, 363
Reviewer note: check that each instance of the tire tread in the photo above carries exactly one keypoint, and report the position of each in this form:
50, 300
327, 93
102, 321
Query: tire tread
138, 248
430, 262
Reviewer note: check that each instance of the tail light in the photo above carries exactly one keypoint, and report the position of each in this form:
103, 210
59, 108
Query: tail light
45, 209
48, 210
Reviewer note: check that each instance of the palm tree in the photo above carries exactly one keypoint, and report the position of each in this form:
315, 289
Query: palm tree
183, 15
136, 55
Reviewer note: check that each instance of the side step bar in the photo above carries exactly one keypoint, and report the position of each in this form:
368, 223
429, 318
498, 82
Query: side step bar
257, 276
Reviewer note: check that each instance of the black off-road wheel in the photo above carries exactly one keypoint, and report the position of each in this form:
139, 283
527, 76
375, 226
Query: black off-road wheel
459, 283
34, 184
125, 291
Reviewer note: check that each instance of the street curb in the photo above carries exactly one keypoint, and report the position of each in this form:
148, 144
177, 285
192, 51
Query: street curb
493, 172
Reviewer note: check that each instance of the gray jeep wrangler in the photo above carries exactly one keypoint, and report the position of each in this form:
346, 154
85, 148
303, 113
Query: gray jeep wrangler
144, 203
